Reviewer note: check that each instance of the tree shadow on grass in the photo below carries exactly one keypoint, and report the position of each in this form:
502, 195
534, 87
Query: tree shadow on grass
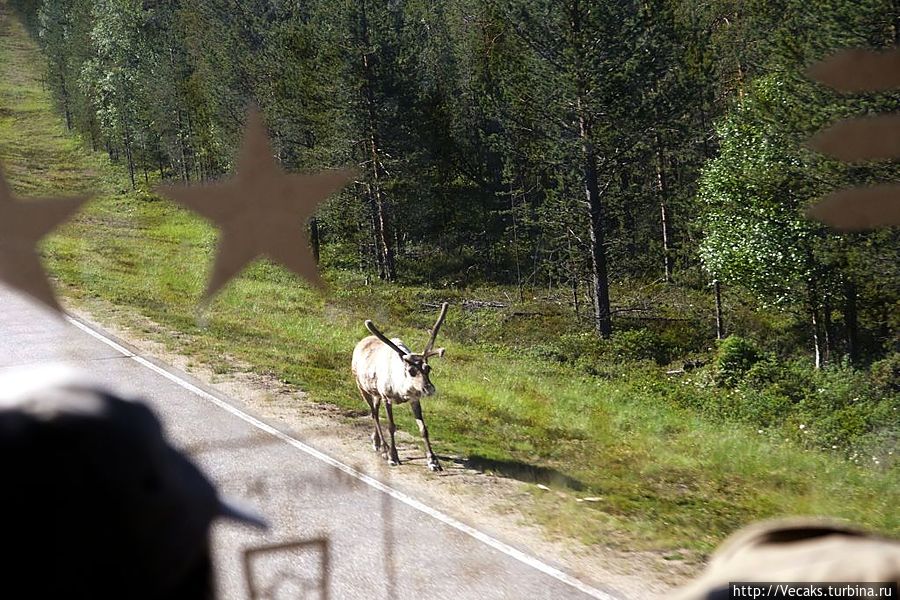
521, 471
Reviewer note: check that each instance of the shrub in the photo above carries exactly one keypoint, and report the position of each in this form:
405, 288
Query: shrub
886, 374
766, 407
844, 408
682, 338
791, 380
734, 359
550, 351
588, 351
637, 345
583, 346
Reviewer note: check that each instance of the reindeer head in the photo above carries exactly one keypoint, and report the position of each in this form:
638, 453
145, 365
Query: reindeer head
416, 382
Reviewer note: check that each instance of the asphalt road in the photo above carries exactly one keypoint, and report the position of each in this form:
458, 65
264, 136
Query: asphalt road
335, 532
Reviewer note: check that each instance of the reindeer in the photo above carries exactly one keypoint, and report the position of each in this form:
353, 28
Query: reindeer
387, 371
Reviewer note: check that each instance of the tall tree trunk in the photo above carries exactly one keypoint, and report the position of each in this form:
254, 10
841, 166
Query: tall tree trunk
379, 202
599, 270
384, 241
851, 320
663, 189
515, 229
720, 321
597, 236
378, 255
192, 152
573, 275
65, 97
628, 220
814, 303
182, 147
182, 144
816, 322
382, 220
143, 157
575, 305
827, 330
129, 155
314, 238
817, 336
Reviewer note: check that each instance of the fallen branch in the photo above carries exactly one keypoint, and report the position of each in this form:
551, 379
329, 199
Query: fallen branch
664, 319
475, 304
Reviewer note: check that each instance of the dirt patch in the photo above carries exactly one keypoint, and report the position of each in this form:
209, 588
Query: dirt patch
486, 501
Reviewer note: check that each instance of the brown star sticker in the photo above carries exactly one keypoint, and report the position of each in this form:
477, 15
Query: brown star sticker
22, 225
860, 139
260, 211
860, 209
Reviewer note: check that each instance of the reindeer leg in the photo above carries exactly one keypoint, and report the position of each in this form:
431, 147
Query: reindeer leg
374, 407
433, 463
394, 460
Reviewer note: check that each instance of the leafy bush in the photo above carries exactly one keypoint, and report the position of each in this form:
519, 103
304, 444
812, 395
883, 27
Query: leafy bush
843, 408
637, 344
763, 408
682, 338
886, 374
836, 409
734, 359
791, 380
589, 352
583, 346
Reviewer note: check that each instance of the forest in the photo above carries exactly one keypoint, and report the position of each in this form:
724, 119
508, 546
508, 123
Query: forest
611, 195
524, 142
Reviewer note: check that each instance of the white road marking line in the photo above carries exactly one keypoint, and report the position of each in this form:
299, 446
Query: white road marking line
527, 559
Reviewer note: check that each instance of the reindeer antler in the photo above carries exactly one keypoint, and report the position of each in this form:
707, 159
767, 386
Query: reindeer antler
428, 352
371, 327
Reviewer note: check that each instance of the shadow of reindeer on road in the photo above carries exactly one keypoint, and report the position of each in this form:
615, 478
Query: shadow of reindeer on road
521, 471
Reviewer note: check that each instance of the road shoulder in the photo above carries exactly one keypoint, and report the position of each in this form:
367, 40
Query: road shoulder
482, 500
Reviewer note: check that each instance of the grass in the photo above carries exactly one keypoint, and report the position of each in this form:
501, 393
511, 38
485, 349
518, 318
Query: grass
666, 478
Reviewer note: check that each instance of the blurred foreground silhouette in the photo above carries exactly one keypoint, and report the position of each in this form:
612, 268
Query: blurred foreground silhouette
797, 550
96, 503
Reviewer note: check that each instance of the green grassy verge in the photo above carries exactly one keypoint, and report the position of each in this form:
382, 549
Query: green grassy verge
666, 477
